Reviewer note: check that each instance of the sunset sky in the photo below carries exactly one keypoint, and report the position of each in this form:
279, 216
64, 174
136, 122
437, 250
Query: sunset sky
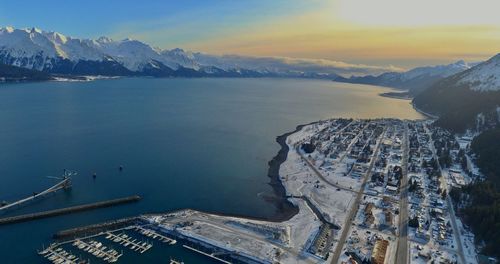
400, 33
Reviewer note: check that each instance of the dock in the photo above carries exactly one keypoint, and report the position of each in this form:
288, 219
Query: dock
154, 235
98, 250
127, 241
59, 255
65, 183
68, 210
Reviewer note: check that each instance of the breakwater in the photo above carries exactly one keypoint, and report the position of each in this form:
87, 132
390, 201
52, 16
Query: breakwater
96, 228
68, 210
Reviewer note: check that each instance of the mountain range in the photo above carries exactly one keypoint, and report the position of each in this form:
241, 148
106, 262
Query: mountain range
55, 53
413, 81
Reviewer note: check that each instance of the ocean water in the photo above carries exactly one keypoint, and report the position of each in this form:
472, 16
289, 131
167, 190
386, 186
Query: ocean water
184, 143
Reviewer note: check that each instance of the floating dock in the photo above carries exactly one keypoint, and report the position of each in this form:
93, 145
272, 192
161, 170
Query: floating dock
154, 235
59, 255
127, 241
98, 250
68, 210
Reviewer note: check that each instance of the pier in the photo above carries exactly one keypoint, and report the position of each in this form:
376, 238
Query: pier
68, 210
65, 183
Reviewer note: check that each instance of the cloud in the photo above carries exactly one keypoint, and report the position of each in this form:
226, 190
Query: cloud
285, 64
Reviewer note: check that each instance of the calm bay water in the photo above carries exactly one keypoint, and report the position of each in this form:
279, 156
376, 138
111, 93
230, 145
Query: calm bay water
197, 143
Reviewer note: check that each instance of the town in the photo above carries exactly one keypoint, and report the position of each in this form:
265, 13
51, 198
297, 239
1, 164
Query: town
368, 191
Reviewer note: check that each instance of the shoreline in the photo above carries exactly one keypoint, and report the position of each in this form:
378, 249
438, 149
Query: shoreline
428, 115
396, 95
286, 209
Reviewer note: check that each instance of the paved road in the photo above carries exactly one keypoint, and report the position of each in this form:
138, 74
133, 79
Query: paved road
402, 249
355, 206
458, 238
318, 173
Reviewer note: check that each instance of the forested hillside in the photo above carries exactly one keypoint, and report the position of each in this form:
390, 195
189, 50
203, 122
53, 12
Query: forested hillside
12, 73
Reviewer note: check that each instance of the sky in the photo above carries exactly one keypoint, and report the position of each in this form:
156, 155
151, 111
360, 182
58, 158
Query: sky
396, 33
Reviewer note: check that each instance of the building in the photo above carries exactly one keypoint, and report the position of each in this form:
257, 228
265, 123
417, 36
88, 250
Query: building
388, 219
379, 251
369, 218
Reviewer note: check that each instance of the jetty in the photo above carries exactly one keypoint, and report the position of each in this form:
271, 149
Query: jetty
65, 183
68, 210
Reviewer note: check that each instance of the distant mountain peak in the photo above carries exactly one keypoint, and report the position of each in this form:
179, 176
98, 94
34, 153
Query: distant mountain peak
9, 29
460, 63
35, 30
104, 39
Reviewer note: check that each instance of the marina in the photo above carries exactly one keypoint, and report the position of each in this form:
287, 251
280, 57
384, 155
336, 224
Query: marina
98, 250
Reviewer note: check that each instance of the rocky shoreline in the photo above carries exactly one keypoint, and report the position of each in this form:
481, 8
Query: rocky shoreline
286, 209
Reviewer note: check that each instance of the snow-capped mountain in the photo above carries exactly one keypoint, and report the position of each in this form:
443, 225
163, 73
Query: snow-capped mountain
56, 53
459, 99
439, 70
483, 77
414, 80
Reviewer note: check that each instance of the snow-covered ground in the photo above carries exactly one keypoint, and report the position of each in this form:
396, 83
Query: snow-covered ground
330, 177
252, 237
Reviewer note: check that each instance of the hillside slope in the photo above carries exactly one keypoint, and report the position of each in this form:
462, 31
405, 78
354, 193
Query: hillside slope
11, 73
415, 80
465, 100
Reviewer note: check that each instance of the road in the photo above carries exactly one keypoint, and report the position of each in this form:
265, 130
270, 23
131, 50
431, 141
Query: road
402, 249
355, 206
318, 173
458, 238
